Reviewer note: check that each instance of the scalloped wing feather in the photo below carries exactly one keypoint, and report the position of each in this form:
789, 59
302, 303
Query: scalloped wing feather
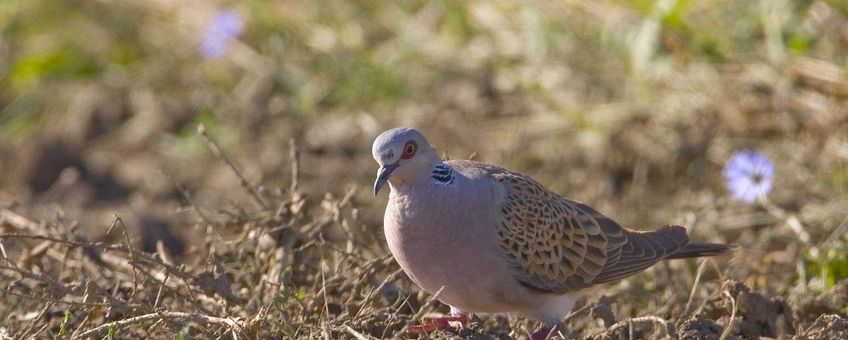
553, 244
558, 245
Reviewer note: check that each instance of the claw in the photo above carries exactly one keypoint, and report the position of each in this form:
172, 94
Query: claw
424, 327
445, 321
430, 324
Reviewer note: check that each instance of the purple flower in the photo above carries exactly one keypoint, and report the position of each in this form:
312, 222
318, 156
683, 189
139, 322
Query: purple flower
224, 27
747, 175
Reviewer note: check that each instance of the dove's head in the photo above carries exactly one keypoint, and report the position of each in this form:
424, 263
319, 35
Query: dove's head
404, 155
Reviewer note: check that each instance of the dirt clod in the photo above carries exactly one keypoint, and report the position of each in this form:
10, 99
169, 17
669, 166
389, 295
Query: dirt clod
601, 309
756, 314
380, 323
828, 326
700, 328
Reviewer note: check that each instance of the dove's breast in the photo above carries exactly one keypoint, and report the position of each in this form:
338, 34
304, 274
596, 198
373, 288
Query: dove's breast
446, 236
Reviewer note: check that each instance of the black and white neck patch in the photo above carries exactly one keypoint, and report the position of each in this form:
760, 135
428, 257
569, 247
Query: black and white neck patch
443, 174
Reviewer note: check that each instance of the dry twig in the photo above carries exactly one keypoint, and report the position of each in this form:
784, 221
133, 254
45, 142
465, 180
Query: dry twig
667, 327
201, 131
732, 322
196, 317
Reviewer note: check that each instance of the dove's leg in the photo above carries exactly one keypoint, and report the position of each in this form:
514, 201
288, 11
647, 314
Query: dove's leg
429, 324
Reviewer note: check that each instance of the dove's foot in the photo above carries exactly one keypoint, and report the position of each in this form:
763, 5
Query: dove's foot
430, 324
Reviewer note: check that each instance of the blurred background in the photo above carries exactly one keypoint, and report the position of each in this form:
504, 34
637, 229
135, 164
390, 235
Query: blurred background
632, 106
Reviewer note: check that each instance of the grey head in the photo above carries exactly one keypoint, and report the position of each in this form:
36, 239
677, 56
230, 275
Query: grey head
404, 154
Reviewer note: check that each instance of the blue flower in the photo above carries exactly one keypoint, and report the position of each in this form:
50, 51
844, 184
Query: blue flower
224, 27
747, 175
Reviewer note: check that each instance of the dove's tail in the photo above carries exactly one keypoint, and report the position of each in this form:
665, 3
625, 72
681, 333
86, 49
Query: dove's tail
645, 248
701, 249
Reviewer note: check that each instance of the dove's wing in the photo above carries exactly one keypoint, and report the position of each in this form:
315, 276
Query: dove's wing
558, 245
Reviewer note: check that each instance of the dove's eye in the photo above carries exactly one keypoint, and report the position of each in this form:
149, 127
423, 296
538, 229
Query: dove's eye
409, 150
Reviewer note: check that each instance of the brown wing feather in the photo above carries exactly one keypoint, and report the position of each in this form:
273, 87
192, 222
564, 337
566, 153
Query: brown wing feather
554, 244
558, 245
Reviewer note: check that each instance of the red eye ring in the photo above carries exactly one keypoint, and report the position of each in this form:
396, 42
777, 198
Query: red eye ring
409, 149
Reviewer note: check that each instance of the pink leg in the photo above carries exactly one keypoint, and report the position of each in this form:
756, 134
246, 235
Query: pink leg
430, 324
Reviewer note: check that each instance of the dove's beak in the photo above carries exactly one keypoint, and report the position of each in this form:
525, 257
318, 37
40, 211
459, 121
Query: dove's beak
383, 176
